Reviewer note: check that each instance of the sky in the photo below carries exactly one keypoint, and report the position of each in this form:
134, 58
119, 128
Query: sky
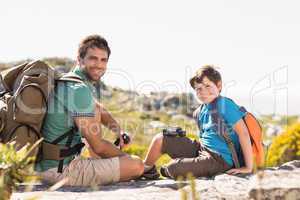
158, 45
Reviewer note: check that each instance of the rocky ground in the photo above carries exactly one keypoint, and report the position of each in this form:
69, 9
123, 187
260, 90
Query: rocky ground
276, 183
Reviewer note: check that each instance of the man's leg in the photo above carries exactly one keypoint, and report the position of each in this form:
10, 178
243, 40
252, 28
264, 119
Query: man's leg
92, 171
131, 167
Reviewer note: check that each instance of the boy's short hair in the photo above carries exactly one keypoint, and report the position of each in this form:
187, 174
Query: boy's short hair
92, 41
208, 71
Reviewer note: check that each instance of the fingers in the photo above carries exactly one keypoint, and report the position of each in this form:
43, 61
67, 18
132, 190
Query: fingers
238, 171
121, 143
233, 171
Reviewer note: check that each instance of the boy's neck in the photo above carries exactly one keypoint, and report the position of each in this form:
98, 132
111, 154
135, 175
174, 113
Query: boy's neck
215, 99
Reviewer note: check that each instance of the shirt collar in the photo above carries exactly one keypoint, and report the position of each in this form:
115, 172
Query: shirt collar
77, 70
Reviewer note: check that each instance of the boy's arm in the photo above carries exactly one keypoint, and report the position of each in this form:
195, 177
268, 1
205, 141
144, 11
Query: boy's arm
241, 129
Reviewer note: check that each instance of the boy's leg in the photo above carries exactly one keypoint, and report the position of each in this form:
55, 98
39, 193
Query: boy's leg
175, 147
205, 164
154, 150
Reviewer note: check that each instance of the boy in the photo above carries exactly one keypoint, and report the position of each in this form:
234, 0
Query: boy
212, 155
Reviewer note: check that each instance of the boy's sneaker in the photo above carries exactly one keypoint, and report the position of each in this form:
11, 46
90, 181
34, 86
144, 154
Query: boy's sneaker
165, 172
151, 174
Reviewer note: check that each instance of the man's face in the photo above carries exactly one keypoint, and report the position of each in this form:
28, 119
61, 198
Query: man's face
207, 90
94, 63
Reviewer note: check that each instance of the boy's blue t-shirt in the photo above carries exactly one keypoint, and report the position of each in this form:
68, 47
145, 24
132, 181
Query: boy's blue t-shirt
210, 138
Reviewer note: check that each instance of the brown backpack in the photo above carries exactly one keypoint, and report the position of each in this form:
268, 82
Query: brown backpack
23, 107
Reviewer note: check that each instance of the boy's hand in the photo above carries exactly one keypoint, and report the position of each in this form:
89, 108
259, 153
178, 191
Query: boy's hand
242, 170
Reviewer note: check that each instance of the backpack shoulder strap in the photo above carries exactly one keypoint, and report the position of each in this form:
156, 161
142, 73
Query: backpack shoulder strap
71, 76
221, 129
196, 114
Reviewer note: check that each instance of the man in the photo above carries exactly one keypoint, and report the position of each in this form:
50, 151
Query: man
74, 108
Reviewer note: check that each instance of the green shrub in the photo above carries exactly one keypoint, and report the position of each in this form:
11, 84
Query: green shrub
285, 147
137, 150
15, 167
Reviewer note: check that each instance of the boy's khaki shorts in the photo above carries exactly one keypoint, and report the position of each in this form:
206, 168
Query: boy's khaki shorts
86, 172
190, 156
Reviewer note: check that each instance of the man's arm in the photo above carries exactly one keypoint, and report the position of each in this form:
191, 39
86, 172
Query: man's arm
107, 119
91, 131
241, 129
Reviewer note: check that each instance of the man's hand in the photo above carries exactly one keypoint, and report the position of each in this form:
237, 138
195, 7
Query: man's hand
242, 170
121, 142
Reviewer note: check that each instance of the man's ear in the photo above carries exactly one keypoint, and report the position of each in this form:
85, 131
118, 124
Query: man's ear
79, 60
219, 86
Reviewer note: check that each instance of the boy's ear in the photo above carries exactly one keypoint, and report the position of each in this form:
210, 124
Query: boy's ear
219, 86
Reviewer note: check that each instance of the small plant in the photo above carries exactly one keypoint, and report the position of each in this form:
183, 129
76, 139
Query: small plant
285, 147
186, 193
15, 167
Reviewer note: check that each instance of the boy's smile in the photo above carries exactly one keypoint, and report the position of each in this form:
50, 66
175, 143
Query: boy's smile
207, 90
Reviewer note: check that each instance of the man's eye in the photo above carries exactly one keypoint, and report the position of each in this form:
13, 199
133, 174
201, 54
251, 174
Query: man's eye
104, 60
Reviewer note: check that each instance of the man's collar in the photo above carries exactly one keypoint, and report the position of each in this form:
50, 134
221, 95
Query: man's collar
78, 70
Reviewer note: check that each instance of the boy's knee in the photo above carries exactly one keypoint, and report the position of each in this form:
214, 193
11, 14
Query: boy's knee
158, 138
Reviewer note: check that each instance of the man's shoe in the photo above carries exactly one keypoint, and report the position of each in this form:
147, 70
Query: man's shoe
151, 174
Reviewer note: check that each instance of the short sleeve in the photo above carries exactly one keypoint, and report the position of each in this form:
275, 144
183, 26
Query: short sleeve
80, 101
230, 111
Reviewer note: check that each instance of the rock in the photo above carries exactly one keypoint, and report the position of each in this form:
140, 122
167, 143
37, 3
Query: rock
180, 117
171, 113
156, 124
279, 183
273, 130
61, 69
292, 165
171, 101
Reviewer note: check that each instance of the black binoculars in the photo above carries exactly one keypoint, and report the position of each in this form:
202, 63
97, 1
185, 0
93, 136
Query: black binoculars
125, 137
174, 131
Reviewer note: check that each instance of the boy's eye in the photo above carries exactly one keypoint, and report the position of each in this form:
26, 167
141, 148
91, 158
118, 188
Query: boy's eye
198, 89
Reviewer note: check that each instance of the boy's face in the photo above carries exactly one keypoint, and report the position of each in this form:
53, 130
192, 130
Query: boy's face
207, 90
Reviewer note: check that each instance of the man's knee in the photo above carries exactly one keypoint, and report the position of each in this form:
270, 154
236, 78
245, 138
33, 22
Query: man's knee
133, 164
138, 165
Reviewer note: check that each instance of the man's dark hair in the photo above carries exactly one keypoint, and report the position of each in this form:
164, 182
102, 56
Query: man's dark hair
208, 71
92, 41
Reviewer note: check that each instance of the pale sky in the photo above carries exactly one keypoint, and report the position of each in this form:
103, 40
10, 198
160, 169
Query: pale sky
156, 45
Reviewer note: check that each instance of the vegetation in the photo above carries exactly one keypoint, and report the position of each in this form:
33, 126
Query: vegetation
15, 167
285, 147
